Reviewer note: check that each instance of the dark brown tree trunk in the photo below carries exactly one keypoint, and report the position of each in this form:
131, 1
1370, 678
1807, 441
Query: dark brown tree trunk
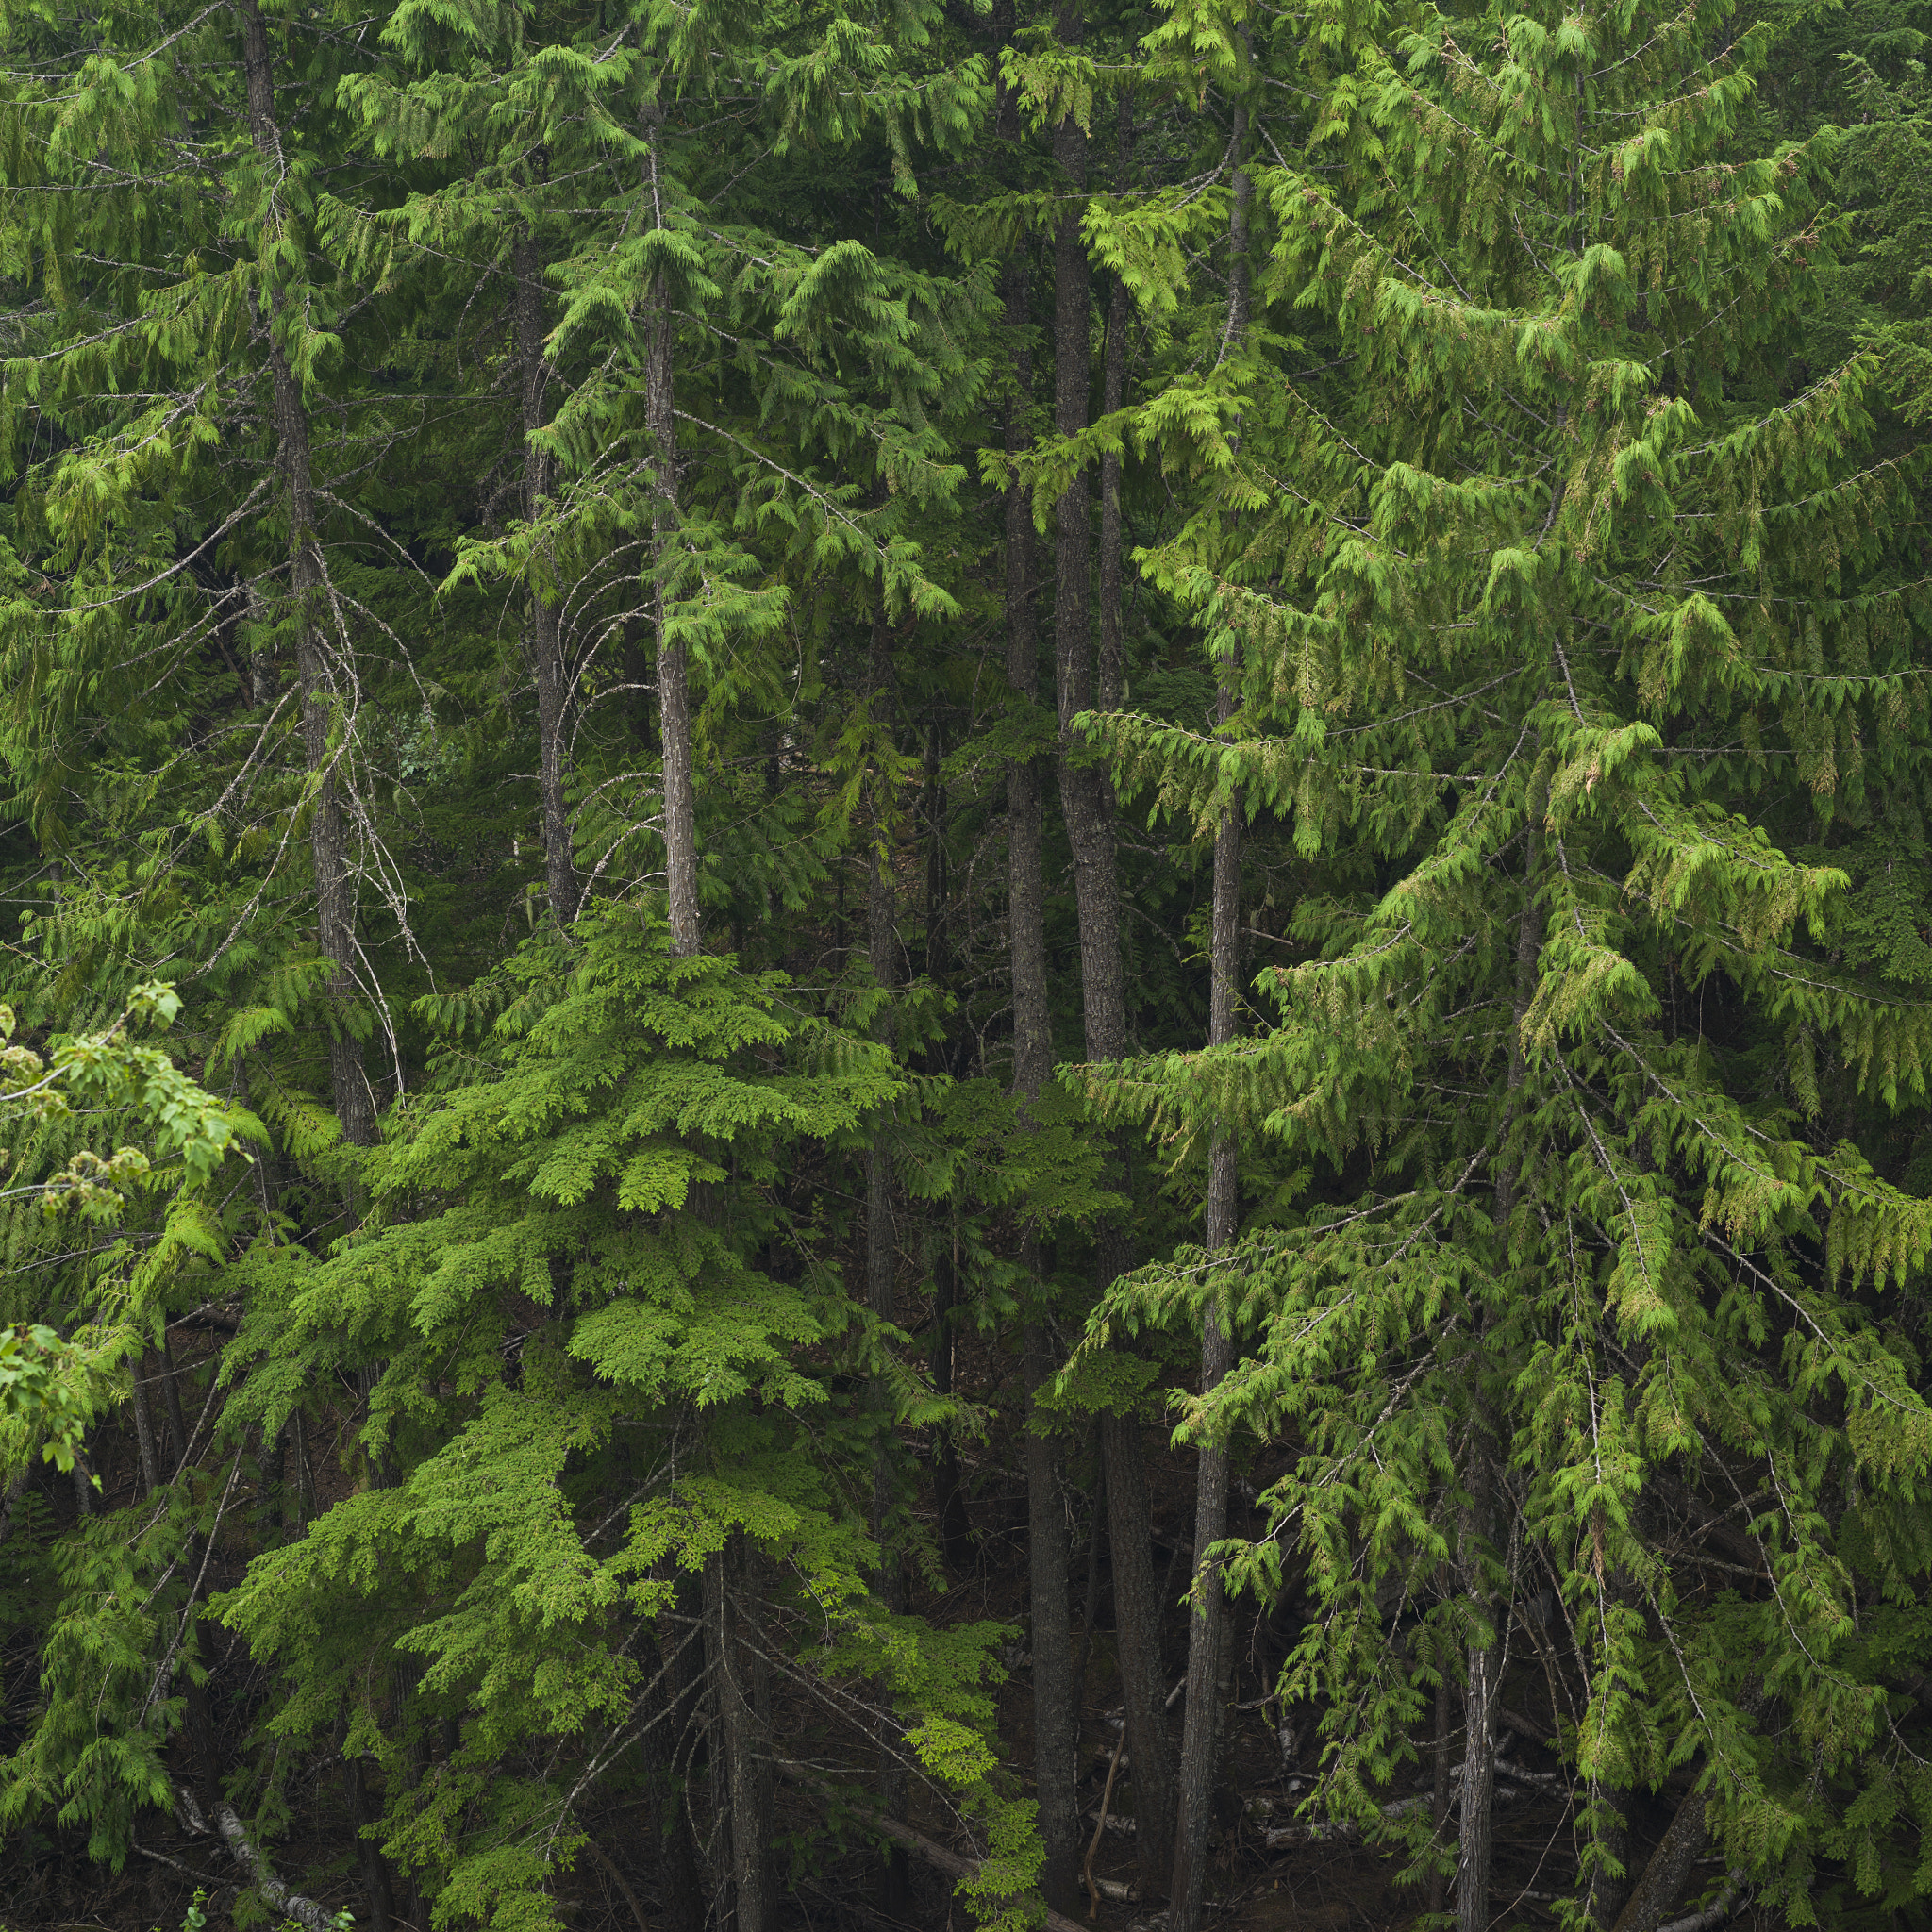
745, 1718
1481, 1690
1670, 1867
1137, 1606
375, 1881
335, 885
1438, 1788
1206, 1633
1120, 310
559, 862
673, 670
144, 1430
1055, 1732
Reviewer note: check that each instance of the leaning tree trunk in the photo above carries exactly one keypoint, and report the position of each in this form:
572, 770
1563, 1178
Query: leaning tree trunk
335, 892
673, 670
559, 861
1055, 1738
1207, 1626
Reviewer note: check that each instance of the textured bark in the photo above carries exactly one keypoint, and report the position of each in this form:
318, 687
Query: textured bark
1055, 1736
246, 1853
1670, 1867
559, 862
673, 670
1120, 310
1438, 1789
1025, 890
144, 1430
1473, 1846
745, 1718
335, 885
1137, 1607
1085, 794
1607, 1893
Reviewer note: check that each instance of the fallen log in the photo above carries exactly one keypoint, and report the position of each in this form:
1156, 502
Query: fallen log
285, 1902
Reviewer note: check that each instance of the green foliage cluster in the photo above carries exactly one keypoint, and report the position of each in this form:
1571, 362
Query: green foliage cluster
536, 1355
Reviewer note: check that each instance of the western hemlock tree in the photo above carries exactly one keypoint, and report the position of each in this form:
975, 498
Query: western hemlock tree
1560, 624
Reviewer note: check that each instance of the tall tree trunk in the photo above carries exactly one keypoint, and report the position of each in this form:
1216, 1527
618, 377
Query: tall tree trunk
1120, 310
1482, 1691
335, 886
1086, 799
1055, 1732
559, 862
1137, 1607
1206, 1633
881, 1250
673, 670
745, 1730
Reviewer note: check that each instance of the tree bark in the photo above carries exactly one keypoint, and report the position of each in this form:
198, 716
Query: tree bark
673, 670
1670, 1866
335, 886
1055, 1733
744, 1728
1113, 663
559, 860
1206, 1626
1137, 1608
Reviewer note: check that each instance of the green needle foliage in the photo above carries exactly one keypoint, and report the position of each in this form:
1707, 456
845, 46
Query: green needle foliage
591, 594
1576, 654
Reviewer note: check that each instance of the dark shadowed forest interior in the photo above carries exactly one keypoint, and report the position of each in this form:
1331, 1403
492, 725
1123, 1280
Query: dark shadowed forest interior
965, 965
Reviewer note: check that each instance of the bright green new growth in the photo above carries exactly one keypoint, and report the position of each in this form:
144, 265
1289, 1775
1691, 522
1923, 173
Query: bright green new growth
1580, 666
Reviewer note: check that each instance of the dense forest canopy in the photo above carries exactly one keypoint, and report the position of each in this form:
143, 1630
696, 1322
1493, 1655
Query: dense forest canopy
965, 966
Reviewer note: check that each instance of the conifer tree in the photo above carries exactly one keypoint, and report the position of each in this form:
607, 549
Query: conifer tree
1560, 628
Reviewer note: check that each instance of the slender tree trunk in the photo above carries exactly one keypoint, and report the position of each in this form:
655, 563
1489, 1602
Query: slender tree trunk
1206, 1634
1137, 1606
881, 1253
673, 670
1087, 803
1113, 662
335, 885
744, 1728
1055, 1732
144, 1430
680, 1890
376, 1880
559, 862
1438, 1788
1482, 1691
